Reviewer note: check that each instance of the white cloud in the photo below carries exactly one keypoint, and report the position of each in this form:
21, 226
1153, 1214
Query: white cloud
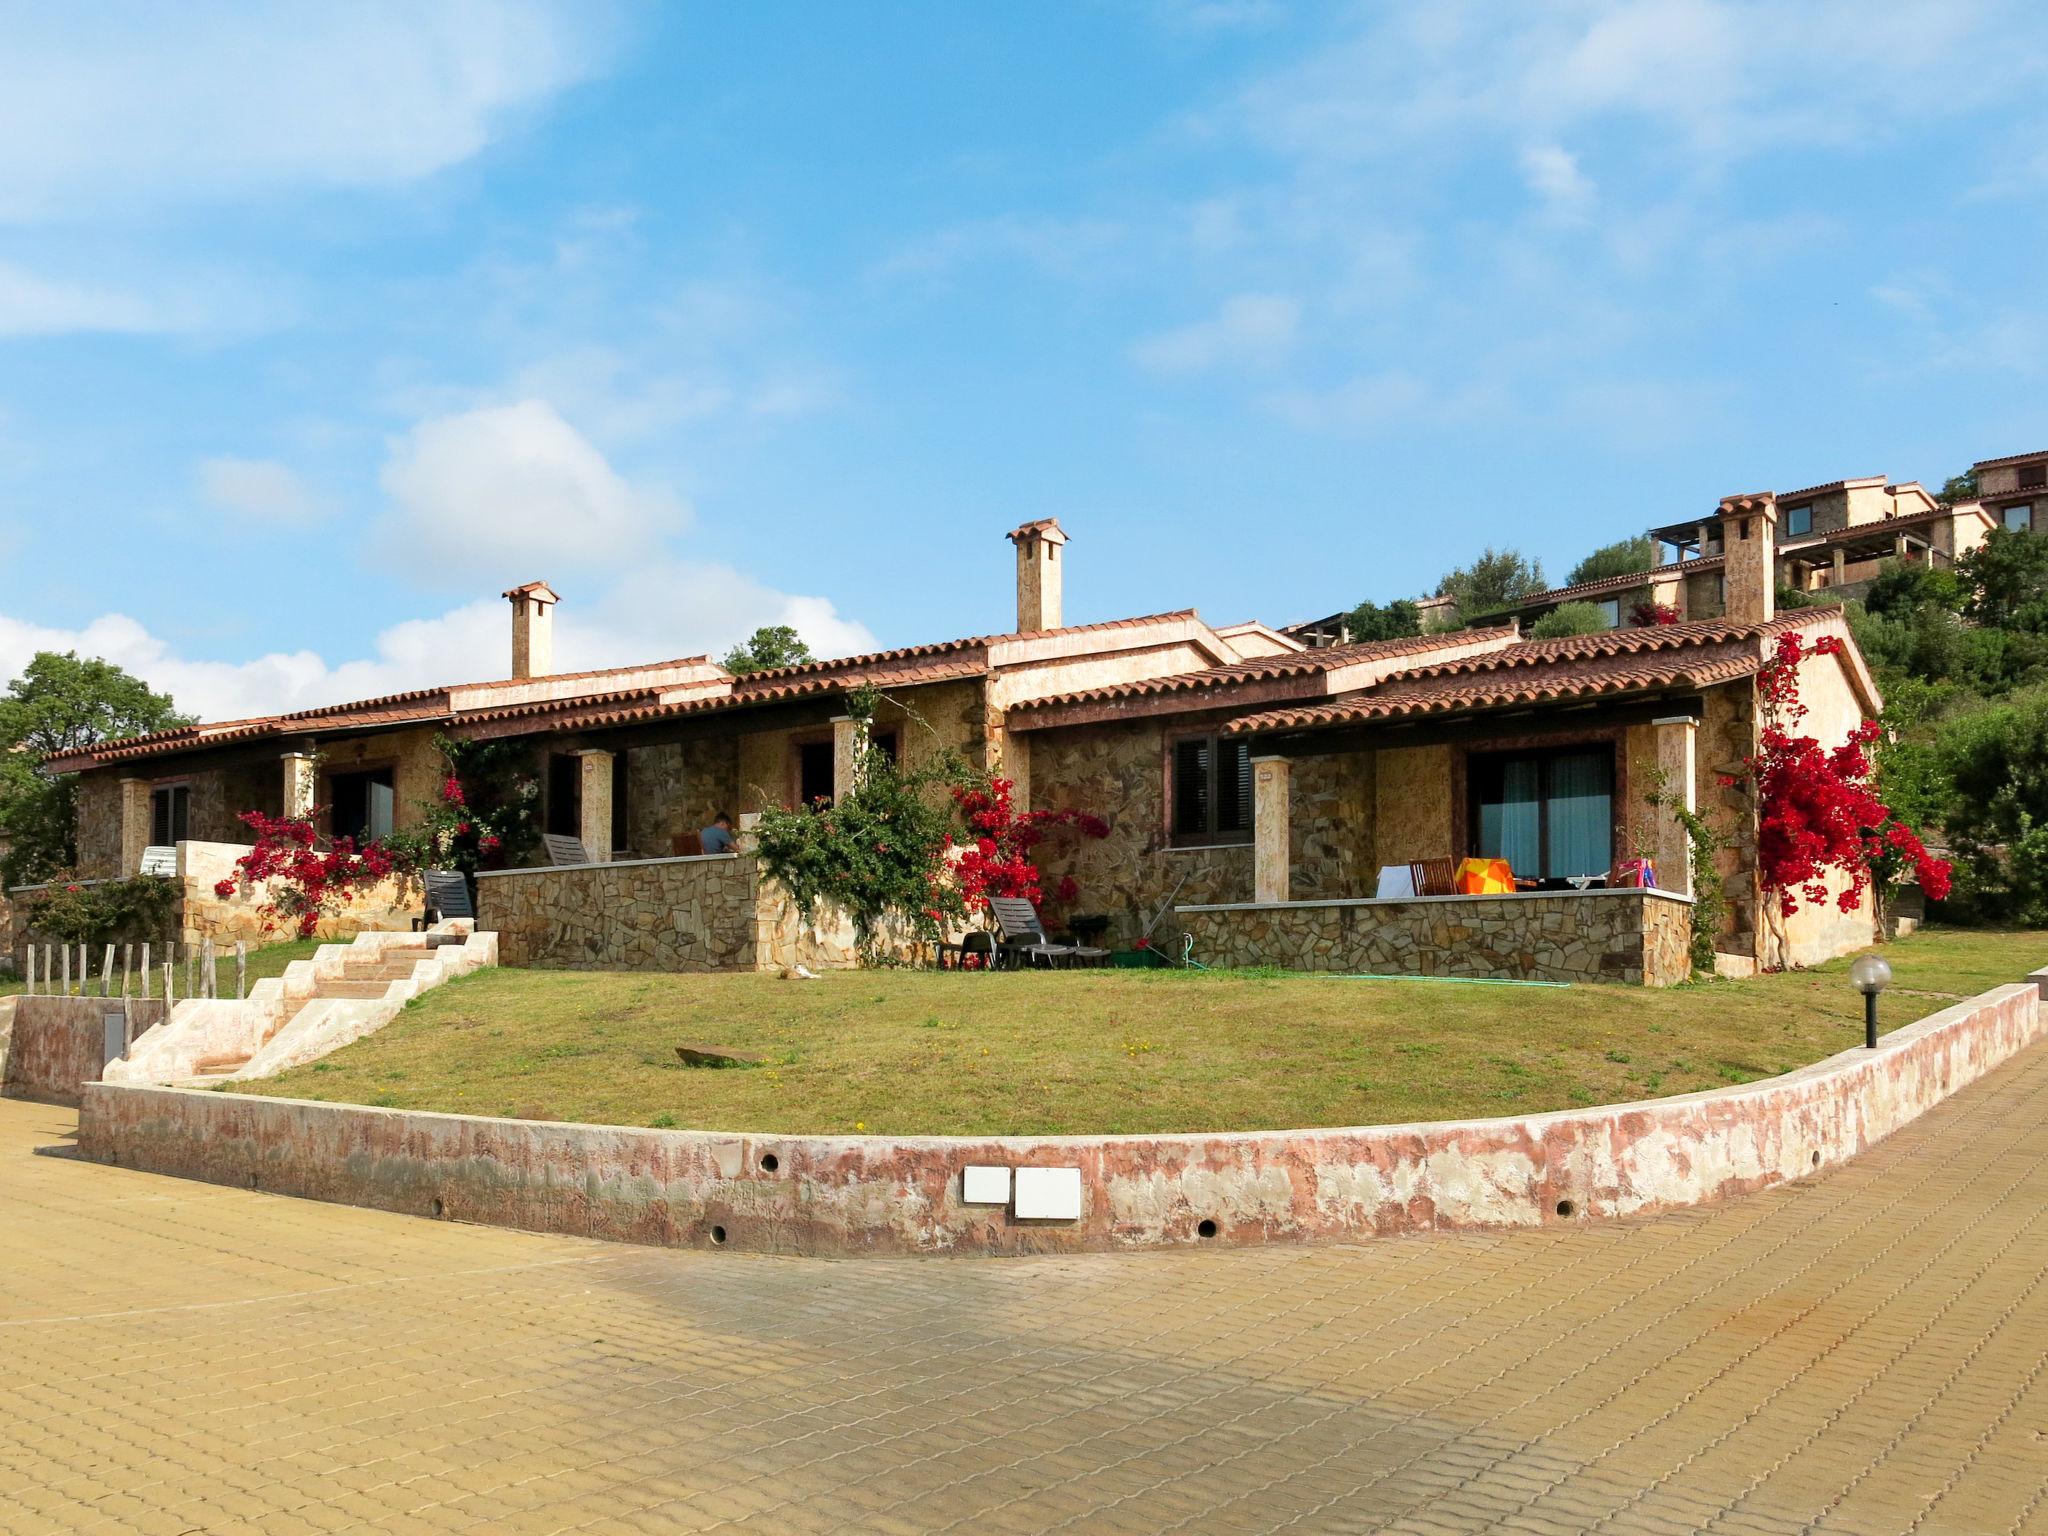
1064, 247
1252, 330
40, 306
514, 491
1553, 174
662, 609
115, 104
257, 488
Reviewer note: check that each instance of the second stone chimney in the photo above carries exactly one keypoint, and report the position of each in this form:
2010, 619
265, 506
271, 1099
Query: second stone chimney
1038, 574
1749, 550
533, 629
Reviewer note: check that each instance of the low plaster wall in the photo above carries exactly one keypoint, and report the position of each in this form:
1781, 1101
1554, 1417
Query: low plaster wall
871, 1194
708, 912
1627, 936
57, 1044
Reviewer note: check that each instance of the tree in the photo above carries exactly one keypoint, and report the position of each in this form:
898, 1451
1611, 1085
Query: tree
2007, 580
1396, 621
1624, 558
61, 703
772, 645
1496, 580
1569, 619
1957, 488
1995, 763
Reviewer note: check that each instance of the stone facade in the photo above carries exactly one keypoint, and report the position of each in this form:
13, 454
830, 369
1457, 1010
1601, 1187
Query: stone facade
714, 913
1630, 937
58, 1044
1118, 771
99, 824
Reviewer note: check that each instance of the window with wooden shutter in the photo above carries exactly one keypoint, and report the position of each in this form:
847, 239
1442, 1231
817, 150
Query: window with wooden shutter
1212, 790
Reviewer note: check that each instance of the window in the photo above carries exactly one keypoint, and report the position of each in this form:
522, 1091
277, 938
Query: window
170, 808
1610, 610
1212, 791
1549, 814
813, 771
2031, 475
1799, 519
363, 804
2020, 519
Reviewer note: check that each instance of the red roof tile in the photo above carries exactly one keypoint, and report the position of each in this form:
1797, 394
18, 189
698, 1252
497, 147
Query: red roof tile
2010, 458
1269, 668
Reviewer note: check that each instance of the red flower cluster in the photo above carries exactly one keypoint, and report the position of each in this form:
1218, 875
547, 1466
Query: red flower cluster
451, 791
305, 884
1648, 613
998, 861
1820, 809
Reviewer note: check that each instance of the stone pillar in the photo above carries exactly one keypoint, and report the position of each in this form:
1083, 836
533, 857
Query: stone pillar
1677, 737
849, 742
299, 786
594, 794
1272, 783
135, 818
1017, 769
1841, 565
533, 629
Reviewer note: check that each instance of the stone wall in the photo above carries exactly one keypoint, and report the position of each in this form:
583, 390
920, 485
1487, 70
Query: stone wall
676, 788
1629, 937
705, 913
58, 1044
1118, 771
97, 818
879, 1195
1412, 809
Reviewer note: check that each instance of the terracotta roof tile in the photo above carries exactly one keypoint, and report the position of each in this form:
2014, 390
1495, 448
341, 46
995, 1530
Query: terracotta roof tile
1269, 668
2010, 458
1692, 655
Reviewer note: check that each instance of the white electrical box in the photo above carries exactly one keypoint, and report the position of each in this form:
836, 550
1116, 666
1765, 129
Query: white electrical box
984, 1186
1048, 1194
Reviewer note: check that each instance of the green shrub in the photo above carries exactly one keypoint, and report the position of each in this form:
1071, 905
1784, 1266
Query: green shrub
1570, 619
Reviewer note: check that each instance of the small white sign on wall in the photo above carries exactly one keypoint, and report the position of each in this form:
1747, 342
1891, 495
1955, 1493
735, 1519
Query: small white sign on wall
1048, 1194
980, 1185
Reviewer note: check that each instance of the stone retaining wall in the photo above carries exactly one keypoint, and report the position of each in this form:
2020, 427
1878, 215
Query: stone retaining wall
712, 912
1633, 937
57, 1044
871, 1194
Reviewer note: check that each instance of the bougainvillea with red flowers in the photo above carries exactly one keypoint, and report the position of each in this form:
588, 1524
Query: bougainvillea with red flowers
303, 883
482, 815
1820, 809
998, 861
1647, 614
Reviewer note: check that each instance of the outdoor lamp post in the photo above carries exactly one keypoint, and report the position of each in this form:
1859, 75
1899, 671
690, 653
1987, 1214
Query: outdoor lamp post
1871, 974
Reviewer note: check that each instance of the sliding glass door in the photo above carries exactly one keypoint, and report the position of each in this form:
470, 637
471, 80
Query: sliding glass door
1550, 814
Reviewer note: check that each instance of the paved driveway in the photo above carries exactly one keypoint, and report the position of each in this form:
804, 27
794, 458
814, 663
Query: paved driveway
1864, 1353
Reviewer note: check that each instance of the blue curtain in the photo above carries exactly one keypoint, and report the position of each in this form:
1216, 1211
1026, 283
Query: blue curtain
1508, 827
1581, 814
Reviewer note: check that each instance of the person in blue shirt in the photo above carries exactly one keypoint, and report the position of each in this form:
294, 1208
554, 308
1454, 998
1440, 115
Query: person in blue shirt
718, 836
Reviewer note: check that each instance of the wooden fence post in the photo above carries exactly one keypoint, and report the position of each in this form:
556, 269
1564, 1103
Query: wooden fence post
241, 969
145, 970
107, 973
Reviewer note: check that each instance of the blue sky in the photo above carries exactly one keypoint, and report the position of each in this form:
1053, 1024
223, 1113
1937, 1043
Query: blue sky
320, 327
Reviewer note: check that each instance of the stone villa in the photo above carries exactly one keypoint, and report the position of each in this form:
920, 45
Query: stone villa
1254, 783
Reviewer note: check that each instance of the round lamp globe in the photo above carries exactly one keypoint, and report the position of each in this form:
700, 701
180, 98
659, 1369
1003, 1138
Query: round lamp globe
1870, 974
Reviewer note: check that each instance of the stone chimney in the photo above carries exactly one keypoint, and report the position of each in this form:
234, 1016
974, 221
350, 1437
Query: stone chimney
1749, 549
1038, 574
533, 629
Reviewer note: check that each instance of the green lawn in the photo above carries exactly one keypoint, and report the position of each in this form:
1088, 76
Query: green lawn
270, 960
1112, 1051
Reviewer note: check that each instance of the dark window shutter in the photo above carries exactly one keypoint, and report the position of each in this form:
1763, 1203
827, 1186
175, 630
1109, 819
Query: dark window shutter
1191, 788
1234, 786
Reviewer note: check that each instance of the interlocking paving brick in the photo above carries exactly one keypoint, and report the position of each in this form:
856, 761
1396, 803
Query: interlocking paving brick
1866, 1352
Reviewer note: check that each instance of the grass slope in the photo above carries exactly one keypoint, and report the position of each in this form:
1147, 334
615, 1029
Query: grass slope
1108, 1051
